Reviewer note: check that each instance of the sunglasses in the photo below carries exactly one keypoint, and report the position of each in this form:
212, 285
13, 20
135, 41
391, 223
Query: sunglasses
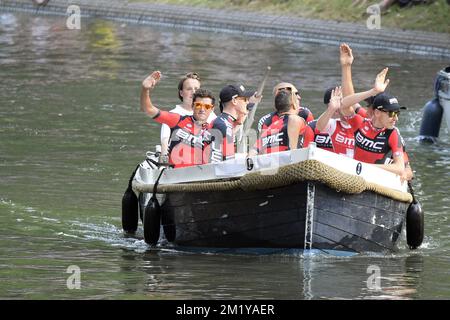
241, 98
392, 114
199, 105
289, 89
193, 75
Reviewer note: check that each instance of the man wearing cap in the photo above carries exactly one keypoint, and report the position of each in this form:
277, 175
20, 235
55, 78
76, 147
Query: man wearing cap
408, 173
233, 105
376, 140
331, 132
189, 133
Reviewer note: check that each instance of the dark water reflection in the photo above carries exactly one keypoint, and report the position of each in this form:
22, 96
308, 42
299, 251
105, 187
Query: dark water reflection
71, 133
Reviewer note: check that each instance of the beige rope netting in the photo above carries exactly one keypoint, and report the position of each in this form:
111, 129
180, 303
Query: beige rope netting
309, 170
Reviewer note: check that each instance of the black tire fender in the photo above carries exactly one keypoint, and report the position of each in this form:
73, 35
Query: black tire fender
414, 225
129, 211
152, 221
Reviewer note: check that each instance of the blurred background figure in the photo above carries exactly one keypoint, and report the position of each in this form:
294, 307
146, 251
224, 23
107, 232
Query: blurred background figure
41, 2
386, 4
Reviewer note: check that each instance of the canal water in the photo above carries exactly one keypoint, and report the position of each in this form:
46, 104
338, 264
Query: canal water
71, 133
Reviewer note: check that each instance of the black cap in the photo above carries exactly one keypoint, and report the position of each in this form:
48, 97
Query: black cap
369, 101
385, 101
232, 91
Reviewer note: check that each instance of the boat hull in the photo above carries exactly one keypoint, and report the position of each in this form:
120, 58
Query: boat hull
304, 215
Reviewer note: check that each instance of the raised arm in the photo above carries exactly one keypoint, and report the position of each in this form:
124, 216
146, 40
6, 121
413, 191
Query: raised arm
147, 86
333, 106
380, 85
346, 60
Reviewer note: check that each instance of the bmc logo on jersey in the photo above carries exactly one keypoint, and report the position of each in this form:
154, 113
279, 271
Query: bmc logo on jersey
189, 139
323, 141
345, 140
273, 139
368, 144
216, 154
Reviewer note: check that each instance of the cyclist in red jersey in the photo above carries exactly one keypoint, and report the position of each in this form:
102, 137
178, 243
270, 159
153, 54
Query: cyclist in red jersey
323, 139
303, 112
234, 100
189, 133
187, 86
331, 132
284, 129
374, 141
408, 174
332, 123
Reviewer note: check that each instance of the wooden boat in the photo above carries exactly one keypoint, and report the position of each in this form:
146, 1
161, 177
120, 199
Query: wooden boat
301, 199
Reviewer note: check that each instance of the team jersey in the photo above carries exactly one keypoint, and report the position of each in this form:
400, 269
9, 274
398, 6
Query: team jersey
342, 137
405, 155
374, 145
322, 140
222, 146
165, 129
273, 133
337, 137
306, 114
187, 140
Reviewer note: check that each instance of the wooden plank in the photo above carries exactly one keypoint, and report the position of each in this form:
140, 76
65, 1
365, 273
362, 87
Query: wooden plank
346, 239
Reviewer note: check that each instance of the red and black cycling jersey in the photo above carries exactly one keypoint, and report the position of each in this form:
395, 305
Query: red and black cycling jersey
222, 145
306, 114
273, 133
342, 137
322, 140
338, 137
405, 155
187, 139
373, 145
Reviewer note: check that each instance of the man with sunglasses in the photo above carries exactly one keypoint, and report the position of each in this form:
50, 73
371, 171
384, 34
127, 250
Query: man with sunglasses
187, 86
272, 120
408, 173
303, 112
234, 100
377, 140
189, 133
283, 130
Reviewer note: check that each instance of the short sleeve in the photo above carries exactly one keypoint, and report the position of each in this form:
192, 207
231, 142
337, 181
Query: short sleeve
169, 118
